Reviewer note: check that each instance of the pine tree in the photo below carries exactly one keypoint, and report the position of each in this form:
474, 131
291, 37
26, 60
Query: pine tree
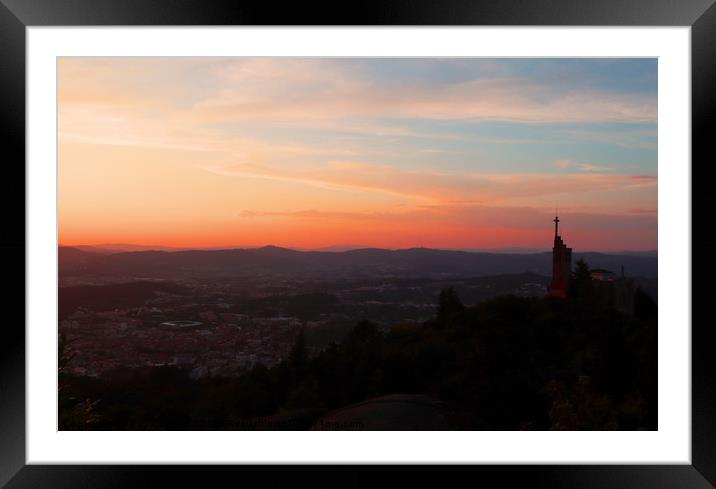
580, 283
449, 304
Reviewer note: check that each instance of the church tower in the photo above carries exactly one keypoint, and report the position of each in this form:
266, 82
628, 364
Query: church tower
561, 264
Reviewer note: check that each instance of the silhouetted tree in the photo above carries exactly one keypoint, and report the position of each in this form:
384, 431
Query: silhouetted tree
363, 333
304, 394
580, 283
363, 352
510, 362
644, 306
298, 359
256, 393
580, 407
449, 303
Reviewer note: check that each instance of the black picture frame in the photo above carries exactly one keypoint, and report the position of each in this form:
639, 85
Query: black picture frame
16, 15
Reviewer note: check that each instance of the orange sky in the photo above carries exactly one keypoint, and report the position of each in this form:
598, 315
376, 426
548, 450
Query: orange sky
205, 152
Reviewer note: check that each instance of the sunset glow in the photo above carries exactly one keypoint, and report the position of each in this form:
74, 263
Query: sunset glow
394, 153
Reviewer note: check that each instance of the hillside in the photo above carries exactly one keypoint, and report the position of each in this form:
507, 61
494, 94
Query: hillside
509, 363
272, 260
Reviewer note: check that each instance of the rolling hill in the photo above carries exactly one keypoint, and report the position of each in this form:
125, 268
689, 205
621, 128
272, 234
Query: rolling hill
271, 260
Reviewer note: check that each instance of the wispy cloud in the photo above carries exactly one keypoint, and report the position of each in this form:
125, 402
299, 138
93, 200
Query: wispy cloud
563, 164
468, 143
439, 186
593, 168
315, 91
509, 99
566, 164
471, 215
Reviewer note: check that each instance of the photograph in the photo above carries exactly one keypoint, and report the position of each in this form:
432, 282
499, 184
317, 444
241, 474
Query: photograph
357, 243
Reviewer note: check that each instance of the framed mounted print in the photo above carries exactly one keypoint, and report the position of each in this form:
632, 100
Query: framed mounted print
407, 236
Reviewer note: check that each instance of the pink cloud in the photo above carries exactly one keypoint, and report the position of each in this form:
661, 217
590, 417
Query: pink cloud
441, 186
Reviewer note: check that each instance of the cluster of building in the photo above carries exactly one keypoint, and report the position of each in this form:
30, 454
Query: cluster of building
608, 288
204, 333
222, 344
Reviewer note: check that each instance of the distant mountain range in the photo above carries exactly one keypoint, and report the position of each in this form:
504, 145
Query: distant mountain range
272, 260
121, 247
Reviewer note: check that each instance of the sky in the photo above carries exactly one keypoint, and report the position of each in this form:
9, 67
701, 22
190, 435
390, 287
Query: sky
310, 153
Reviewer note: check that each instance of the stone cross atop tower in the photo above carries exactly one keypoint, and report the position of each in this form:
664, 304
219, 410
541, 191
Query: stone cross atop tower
556, 226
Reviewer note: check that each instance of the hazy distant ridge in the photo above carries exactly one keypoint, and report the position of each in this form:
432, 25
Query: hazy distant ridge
272, 260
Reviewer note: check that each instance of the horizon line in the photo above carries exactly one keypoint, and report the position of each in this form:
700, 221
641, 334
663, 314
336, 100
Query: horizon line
331, 248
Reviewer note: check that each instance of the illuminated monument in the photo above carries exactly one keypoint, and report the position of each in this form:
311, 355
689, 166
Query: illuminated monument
561, 264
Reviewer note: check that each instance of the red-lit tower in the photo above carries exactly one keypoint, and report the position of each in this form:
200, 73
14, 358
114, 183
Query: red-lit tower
561, 264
